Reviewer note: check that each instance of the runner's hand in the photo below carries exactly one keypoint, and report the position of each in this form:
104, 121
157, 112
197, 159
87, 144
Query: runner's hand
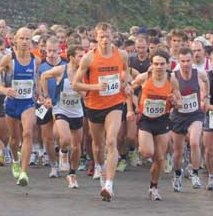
10, 92
102, 86
48, 102
130, 116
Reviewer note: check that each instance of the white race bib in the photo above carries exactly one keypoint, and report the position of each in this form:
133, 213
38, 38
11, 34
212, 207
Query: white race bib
70, 100
154, 108
24, 88
189, 103
211, 119
41, 111
113, 84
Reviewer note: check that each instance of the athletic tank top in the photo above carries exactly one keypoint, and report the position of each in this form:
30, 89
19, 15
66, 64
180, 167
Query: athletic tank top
107, 70
51, 83
190, 92
154, 100
23, 78
210, 76
68, 101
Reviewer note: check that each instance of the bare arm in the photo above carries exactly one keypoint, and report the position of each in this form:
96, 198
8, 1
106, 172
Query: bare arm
6, 65
37, 81
78, 84
204, 84
56, 72
139, 80
175, 99
205, 89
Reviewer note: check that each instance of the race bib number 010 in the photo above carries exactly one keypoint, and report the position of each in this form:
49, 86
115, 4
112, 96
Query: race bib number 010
189, 103
113, 84
23, 88
154, 108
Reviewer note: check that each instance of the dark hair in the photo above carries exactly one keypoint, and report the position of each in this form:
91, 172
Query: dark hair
185, 51
31, 26
162, 54
71, 51
129, 43
154, 40
208, 49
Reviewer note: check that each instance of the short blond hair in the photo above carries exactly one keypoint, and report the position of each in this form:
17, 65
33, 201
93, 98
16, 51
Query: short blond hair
103, 26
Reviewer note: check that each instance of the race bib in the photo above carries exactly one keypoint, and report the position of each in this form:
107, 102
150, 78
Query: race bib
41, 112
70, 100
113, 84
154, 108
189, 103
211, 119
24, 88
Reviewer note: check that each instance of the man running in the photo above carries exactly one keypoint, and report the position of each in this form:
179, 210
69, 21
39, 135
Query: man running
106, 68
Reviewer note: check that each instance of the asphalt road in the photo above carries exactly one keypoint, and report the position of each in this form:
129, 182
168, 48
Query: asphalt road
51, 197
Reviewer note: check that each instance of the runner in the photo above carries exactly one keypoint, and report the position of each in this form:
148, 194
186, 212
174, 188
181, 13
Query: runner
159, 88
207, 134
20, 101
106, 67
67, 109
194, 88
46, 122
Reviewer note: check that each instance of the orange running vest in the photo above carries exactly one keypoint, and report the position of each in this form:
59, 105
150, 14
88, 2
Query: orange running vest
107, 70
154, 100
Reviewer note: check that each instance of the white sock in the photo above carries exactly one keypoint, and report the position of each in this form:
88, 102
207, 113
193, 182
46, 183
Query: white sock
108, 184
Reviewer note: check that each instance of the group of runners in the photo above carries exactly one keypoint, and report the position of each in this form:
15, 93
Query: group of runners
144, 95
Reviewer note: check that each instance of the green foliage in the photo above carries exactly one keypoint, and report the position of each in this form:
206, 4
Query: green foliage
122, 13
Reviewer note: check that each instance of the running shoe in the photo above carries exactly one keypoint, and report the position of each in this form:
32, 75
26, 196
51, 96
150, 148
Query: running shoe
34, 159
97, 172
177, 183
54, 173
72, 181
210, 184
107, 194
45, 159
122, 165
196, 182
154, 194
23, 179
82, 164
16, 169
133, 157
7, 156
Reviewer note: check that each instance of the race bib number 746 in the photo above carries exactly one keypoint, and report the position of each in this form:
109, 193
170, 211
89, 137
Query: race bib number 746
113, 84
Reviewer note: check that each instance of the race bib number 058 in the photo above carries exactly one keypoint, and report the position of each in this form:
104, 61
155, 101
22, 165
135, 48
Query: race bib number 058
23, 88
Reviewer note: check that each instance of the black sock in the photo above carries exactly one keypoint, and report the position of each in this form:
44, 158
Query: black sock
132, 148
64, 151
178, 172
72, 172
195, 172
123, 157
153, 185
